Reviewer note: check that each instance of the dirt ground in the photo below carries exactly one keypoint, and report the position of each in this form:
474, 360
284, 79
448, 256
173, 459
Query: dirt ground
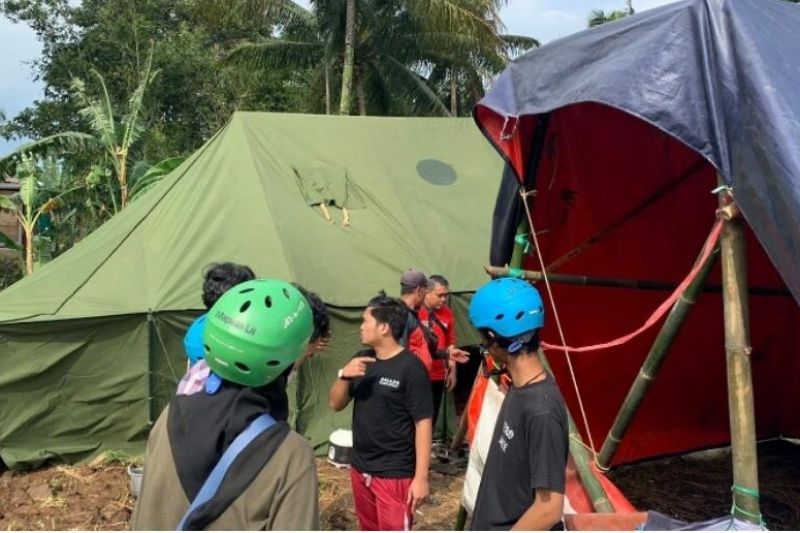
691, 488
98, 498
696, 487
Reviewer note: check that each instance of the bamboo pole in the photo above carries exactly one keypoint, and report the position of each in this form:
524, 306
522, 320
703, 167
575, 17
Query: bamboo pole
652, 364
591, 281
739, 374
461, 430
461, 518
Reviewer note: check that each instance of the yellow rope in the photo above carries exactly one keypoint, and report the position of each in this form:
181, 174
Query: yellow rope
524, 194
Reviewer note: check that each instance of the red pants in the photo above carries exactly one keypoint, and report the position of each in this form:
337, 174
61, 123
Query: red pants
381, 502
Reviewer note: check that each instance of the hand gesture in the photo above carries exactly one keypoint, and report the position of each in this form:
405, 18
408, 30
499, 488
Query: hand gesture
458, 355
357, 367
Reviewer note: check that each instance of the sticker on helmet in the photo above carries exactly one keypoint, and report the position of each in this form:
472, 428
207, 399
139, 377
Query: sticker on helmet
291, 318
238, 324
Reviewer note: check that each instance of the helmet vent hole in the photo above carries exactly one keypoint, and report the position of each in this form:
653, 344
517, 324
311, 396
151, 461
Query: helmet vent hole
520, 315
500, 316
268, 301
241, 366
206, 348
245, 291
273, 363
245, 306
286, 293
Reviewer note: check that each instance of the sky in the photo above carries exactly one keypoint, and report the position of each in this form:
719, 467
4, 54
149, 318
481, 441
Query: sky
545, 20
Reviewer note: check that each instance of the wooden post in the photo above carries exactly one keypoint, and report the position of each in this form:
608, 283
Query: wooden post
625, 283
652, 363
461, 518
737, 352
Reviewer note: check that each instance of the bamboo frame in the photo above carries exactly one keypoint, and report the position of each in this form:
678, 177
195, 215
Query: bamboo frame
661, 345
739, 373
593, 281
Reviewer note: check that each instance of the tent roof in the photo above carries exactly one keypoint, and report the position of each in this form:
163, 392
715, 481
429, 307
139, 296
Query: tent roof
717, 75
416, 190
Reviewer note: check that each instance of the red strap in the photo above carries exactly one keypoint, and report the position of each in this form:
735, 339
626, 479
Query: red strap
711, 242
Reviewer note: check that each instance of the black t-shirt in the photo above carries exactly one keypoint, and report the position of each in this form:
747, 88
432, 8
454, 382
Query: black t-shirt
528, 452
393, 395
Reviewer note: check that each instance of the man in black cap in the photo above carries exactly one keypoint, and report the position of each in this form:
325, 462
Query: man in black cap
417, 338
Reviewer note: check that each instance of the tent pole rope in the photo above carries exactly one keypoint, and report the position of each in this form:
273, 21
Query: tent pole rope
524, 193
175, 377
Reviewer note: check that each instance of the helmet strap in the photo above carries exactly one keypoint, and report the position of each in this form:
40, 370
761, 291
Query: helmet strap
517, 343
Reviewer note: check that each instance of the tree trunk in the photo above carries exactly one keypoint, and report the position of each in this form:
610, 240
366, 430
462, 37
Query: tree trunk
453, 92
28, 250
122, 161
360, 98
349, 56
327, 87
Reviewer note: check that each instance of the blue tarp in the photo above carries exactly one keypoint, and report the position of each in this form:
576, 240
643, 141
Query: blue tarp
721, 76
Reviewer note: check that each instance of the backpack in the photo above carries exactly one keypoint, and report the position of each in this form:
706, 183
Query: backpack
431, 340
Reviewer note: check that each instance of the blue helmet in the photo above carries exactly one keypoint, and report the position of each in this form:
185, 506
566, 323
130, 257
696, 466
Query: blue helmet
510, 307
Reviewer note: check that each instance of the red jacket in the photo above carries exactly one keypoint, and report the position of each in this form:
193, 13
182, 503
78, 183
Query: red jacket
419, 347
443, 325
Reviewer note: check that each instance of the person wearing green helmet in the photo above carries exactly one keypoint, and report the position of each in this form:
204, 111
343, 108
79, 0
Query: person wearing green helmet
195, 378
254, 335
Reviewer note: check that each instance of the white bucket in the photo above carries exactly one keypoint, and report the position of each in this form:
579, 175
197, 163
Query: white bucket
135, 480
340, 449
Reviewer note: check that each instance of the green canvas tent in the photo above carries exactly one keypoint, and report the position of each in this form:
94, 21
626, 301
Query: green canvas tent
91, 344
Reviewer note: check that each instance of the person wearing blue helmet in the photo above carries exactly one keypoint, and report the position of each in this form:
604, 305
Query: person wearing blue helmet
217, 278
524, 478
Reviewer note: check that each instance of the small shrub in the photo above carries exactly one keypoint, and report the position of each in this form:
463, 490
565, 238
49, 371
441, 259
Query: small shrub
10, 268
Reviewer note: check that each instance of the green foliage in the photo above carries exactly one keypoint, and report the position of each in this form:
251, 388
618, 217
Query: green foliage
598, 17
128, 83
194, 94
10, 269
144, 176
8, 242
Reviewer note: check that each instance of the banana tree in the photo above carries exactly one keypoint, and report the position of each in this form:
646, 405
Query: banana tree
116, 134
33, 200
145, 176
68, 141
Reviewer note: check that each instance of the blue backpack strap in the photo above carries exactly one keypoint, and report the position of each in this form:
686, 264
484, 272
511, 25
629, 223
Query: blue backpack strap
212, 483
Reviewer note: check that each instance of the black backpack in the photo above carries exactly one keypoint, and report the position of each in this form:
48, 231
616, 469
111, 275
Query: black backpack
432, 341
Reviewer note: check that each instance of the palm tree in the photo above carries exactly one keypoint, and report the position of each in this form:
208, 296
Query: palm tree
117, 136
598, 16
349, 56
397, 46
68, 141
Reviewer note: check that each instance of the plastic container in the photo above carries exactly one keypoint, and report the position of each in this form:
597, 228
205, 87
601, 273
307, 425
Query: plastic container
340, 449
135, 479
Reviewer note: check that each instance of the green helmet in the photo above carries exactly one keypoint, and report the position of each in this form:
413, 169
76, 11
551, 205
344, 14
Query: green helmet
256, 330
